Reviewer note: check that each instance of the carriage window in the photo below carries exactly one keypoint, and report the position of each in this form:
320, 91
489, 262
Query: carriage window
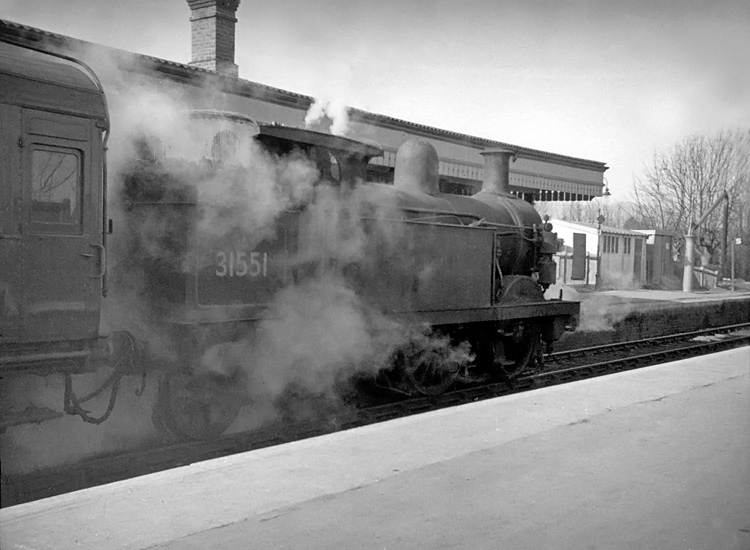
56, 188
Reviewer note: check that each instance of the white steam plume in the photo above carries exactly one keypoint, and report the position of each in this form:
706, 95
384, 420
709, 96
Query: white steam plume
332, 109
599, 312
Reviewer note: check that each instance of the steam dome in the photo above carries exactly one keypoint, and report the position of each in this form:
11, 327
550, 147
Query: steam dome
417, 168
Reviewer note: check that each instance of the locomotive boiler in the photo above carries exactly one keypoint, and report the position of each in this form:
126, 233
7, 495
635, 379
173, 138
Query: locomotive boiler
213, 243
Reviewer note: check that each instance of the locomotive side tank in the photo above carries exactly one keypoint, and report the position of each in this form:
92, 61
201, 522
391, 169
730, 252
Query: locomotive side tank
437, 266
523, 244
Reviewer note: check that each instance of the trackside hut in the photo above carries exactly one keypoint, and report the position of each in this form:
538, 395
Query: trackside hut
660, 257
617, 255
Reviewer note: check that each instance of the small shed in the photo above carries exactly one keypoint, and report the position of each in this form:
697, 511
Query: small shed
661, 257
600, 255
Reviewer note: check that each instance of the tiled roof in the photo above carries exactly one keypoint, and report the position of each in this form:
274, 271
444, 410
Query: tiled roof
240, 86
605, 228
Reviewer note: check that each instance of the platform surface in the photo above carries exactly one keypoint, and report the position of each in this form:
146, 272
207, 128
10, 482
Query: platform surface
714, 295
655, 458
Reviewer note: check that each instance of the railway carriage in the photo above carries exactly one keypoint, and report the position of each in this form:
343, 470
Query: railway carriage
54, 125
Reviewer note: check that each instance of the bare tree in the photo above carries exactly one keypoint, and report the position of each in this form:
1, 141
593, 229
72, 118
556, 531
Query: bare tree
616, 214
684, 182
741, 222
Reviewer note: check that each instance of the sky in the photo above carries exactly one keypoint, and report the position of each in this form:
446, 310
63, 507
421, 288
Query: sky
608, 80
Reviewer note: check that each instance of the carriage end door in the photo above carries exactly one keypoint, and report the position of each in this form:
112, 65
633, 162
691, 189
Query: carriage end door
63, 260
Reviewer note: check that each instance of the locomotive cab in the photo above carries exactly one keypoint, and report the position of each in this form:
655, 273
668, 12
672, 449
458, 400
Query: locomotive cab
339, 160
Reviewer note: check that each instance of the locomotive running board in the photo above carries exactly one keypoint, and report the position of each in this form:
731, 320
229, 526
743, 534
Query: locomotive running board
489, 314
494, 314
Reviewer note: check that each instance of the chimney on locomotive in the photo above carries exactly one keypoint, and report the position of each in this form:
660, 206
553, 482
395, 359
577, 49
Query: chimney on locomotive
212, 35
497, 170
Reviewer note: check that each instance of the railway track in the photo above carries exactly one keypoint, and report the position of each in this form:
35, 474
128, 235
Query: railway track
559, 368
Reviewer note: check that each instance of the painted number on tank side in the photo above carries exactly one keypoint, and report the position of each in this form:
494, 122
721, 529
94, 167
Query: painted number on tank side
240, 264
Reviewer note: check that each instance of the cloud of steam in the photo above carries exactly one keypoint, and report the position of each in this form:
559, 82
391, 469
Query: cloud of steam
155, 145
324, 331
332, 110
316, 334
599, 312
249, 199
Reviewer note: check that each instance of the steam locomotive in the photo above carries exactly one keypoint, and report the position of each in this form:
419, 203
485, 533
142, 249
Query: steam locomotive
212, 249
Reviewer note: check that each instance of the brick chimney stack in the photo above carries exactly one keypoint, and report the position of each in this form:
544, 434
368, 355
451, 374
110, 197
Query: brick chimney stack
213, 35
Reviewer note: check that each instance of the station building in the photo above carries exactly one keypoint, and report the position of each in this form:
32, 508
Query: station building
210, 82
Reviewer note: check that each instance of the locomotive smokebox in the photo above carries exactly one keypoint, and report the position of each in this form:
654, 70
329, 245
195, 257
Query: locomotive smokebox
417, 168
497, 171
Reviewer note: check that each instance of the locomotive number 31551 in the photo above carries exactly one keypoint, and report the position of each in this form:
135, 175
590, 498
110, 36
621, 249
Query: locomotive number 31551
241, 264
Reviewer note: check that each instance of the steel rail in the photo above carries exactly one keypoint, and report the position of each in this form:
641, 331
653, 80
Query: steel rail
646, 341
107, 469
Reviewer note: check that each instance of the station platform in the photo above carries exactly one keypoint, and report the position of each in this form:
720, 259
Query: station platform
654, 458
609, 316
718, 294
642, 296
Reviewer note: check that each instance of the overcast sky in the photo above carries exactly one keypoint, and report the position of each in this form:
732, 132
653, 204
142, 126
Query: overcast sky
607, 80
